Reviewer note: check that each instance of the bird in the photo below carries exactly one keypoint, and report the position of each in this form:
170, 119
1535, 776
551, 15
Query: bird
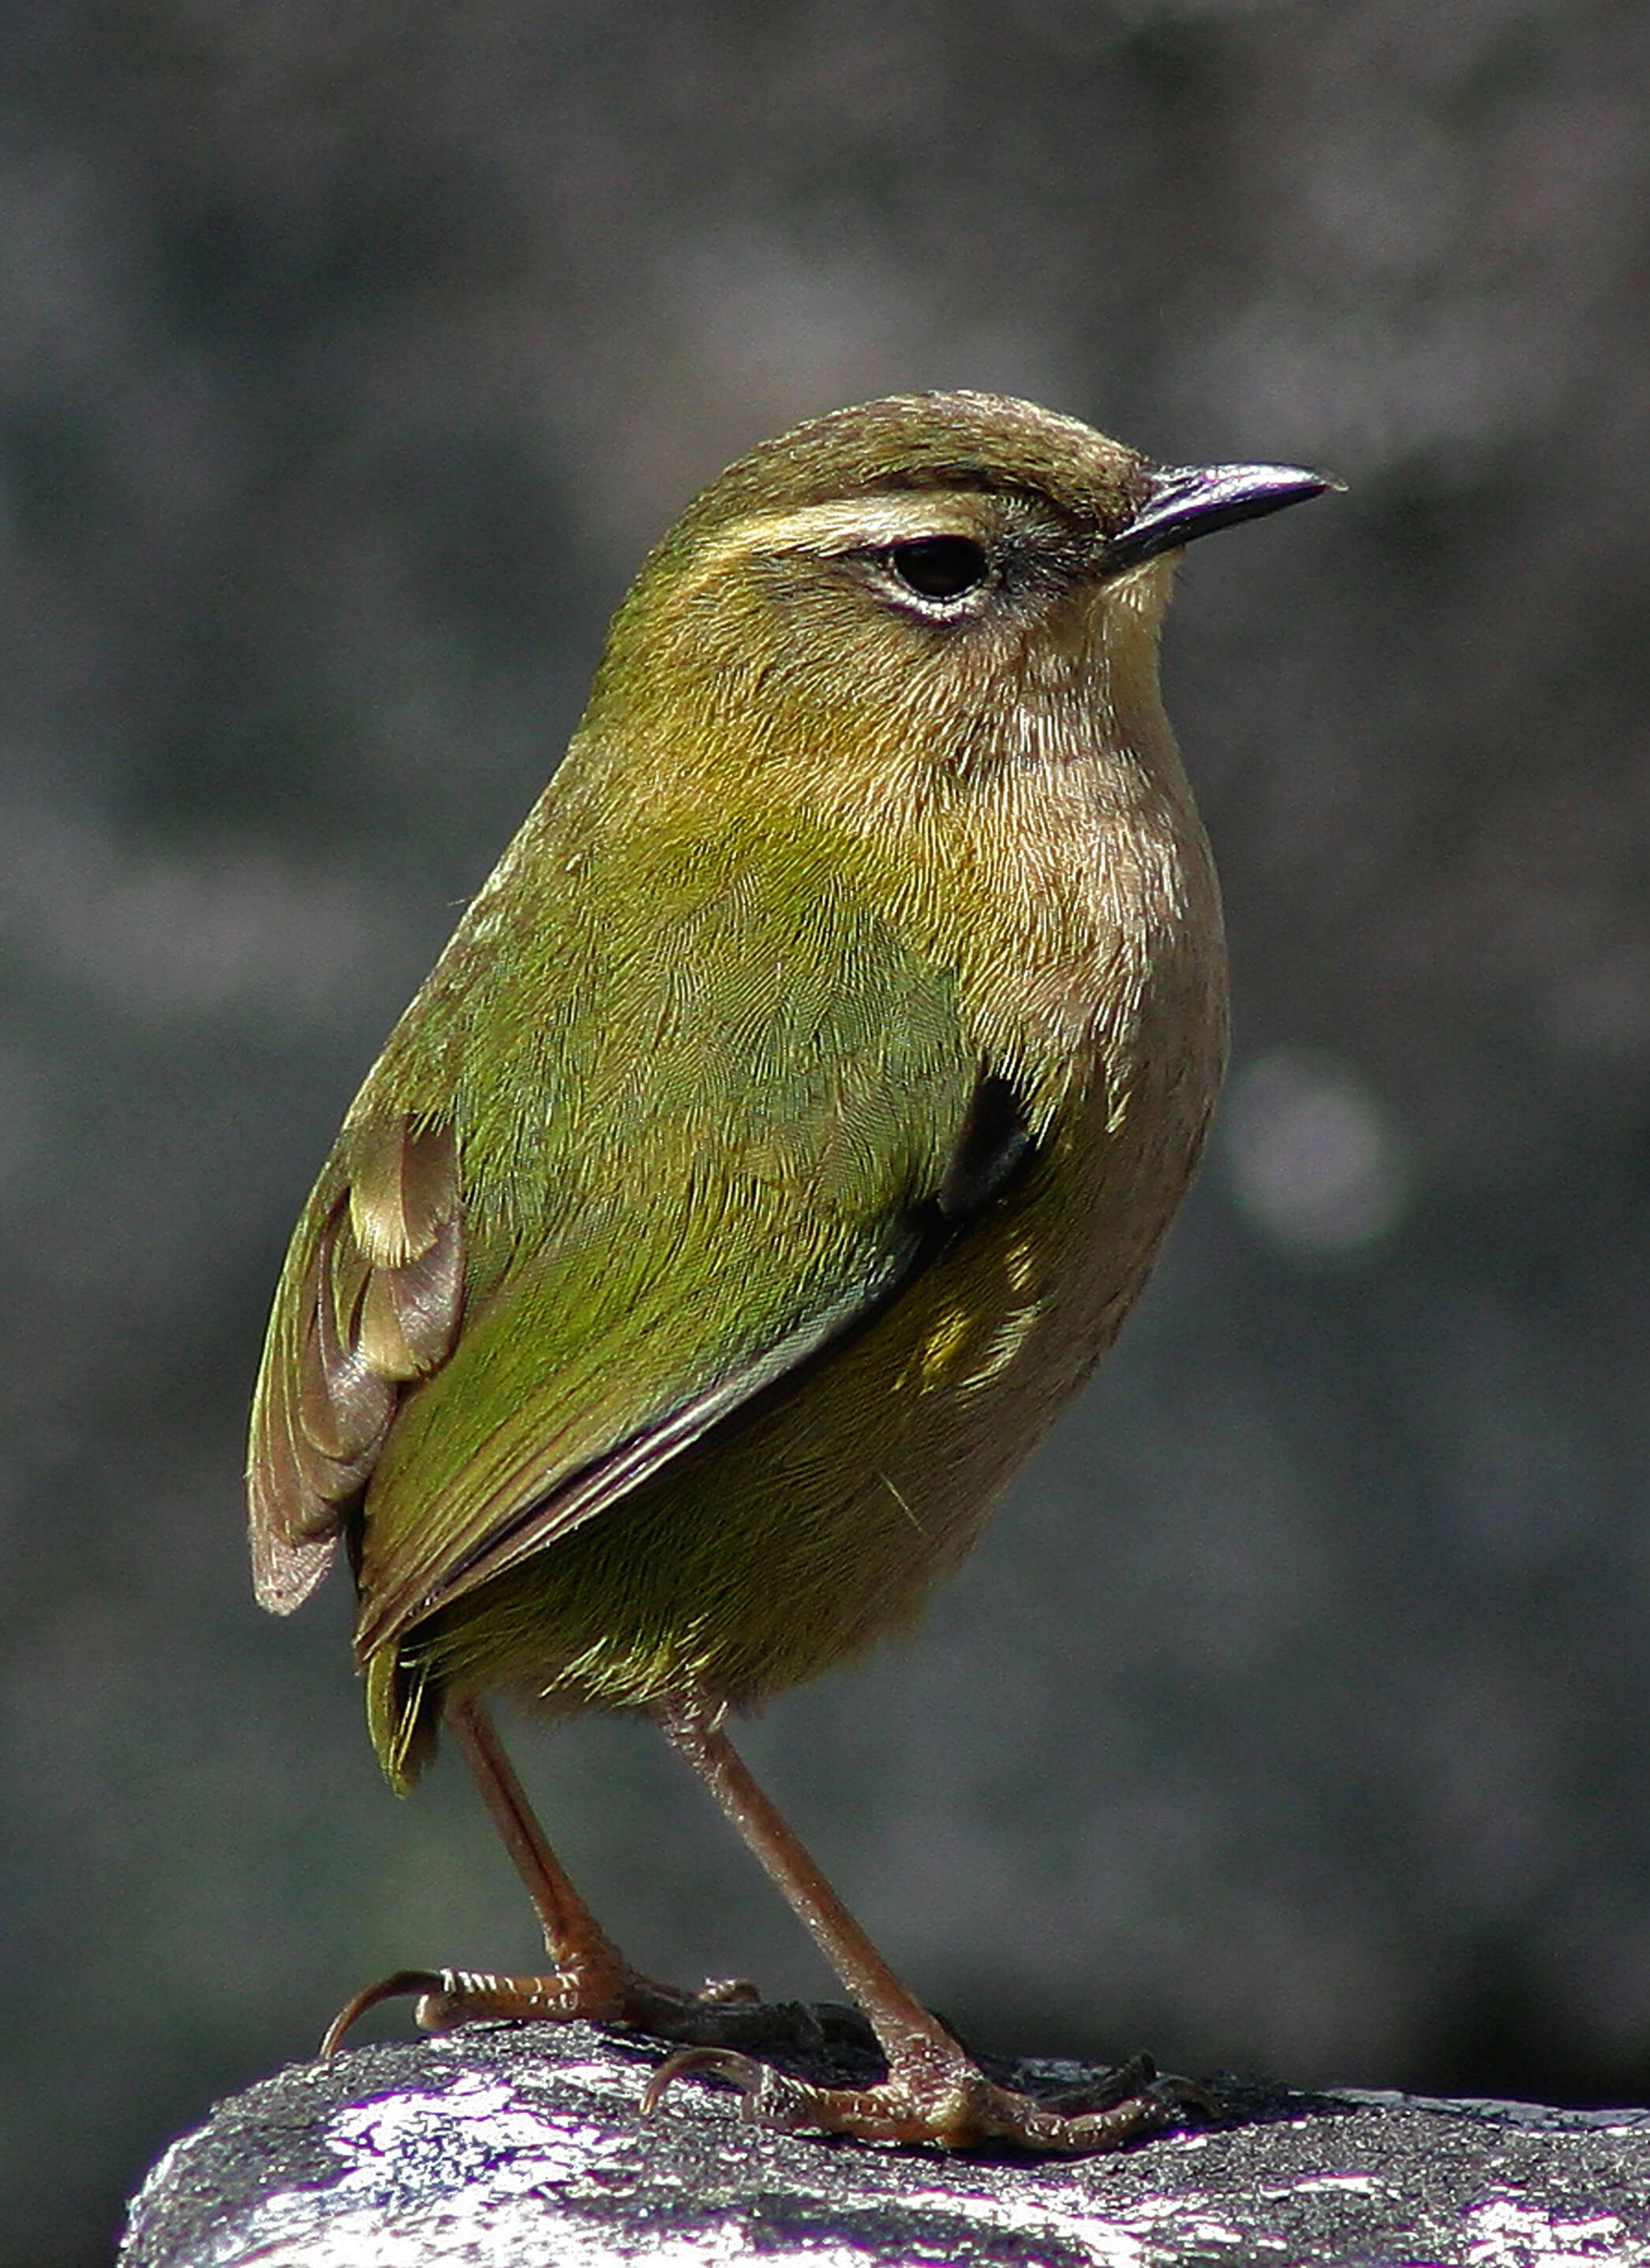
780, 1141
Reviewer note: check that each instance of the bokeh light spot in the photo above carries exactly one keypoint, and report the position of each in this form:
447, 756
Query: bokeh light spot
1314, 1158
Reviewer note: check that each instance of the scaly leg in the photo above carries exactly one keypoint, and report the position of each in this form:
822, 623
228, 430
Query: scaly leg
590, 1978
934, 2091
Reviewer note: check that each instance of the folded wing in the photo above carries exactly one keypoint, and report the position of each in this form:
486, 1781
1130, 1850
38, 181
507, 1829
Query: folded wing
717, 1133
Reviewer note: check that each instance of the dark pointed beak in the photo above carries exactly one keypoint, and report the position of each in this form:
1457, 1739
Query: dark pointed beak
1185, 501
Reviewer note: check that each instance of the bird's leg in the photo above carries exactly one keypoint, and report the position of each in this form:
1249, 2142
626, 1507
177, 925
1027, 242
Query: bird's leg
589, 1979
934, 2092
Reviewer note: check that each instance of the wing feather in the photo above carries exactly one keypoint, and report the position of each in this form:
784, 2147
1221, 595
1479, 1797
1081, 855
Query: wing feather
369, 1301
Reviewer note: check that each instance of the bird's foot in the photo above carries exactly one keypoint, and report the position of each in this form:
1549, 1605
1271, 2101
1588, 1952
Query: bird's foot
954, 2106
595, 1992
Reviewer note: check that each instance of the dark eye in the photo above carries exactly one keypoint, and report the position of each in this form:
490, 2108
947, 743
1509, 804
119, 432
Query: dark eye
939, 566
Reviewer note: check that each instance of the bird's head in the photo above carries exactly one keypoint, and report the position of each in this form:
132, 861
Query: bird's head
906, 594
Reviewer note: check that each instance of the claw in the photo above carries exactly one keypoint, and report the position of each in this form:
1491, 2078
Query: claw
422, 1981
740, 2070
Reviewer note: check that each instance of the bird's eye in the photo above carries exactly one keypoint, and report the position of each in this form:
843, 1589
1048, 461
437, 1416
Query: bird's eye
939, 566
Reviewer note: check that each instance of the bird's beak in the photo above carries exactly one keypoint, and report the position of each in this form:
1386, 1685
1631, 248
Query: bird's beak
1183, 501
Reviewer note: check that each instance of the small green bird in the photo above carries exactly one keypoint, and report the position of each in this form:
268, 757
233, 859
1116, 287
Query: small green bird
779, 1142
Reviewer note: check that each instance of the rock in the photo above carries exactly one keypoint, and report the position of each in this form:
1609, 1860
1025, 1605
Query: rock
507, 2146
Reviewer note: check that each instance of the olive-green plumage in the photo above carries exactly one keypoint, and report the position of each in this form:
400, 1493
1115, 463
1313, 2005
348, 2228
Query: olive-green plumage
797, 1109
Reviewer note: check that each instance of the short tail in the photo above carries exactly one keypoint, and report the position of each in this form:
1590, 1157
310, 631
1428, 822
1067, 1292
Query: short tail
403, 1715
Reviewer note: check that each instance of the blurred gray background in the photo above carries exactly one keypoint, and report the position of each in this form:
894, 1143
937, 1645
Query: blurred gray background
1295, 1714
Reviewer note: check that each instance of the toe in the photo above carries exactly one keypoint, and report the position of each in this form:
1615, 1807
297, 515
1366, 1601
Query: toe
962, 2111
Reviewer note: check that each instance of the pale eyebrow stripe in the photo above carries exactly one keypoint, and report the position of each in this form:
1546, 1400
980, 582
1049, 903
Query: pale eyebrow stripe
859, 523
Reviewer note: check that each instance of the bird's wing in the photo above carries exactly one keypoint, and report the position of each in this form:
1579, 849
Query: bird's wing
735, 1127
